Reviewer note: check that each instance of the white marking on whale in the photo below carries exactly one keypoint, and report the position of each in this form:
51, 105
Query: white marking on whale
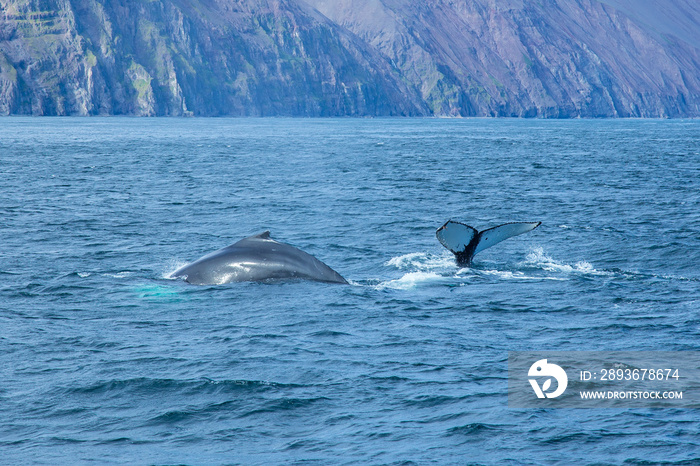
256, 258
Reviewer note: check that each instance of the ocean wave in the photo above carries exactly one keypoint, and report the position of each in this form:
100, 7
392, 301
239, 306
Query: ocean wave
475, 428
145, 385
285, 404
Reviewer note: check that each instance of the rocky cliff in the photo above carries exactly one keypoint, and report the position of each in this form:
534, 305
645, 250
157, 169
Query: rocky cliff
549, 58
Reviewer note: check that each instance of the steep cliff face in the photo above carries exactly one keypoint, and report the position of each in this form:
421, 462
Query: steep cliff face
163, 57
551, 58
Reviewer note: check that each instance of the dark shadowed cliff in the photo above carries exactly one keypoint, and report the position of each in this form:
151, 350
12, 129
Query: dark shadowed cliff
548, 58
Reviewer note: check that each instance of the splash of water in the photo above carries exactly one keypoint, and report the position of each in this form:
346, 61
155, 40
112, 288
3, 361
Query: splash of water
539, 259
412, 280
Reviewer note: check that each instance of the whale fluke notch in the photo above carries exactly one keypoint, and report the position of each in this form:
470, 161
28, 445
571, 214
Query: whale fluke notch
465, 241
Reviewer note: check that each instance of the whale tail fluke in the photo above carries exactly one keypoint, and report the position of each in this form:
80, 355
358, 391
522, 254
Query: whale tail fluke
495, 235
456, 236
465, 241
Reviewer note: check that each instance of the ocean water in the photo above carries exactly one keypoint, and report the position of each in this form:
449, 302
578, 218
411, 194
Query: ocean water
104, 359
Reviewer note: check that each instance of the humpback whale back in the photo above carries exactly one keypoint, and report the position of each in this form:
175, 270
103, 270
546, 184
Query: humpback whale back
465, 241
257, 258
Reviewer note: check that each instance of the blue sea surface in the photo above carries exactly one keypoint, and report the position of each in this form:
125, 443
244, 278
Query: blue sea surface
104, 359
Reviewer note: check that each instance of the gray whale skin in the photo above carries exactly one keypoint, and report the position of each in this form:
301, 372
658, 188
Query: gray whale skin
256, 258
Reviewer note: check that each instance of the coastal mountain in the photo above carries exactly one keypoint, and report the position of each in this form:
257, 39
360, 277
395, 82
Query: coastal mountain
546, 58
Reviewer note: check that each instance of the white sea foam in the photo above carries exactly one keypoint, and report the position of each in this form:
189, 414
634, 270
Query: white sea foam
123, 274
412, 280
422, 261
429, 269
509, 275
420, 269
538, 258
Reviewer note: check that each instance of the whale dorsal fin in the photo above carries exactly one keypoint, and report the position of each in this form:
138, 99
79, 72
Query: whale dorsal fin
265, 235
495, 235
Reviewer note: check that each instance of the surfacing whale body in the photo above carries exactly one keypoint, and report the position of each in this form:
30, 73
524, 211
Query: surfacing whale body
465, 241
256, 258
